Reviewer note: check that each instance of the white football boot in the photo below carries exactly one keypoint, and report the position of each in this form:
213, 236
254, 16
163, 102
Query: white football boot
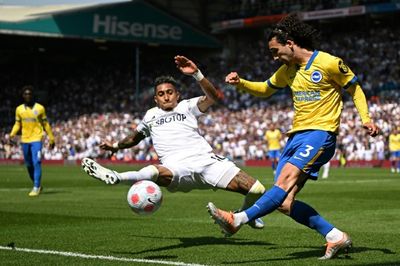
257, 223
99, 172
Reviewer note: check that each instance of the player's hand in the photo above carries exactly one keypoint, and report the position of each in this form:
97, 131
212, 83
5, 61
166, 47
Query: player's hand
232, 78
105, 145
373, 129
52, 144
12, 140
185, 65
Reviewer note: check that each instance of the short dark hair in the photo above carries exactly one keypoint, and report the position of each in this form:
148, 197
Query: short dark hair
27, 88
165, 79
292, 28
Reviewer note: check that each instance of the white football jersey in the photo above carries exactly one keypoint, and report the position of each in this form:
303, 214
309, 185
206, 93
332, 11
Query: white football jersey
175, 133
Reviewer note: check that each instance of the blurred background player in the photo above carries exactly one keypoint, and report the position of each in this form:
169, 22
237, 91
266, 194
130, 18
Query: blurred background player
394, 147
316, 79
273, 137
30, 118
187, 160
325, 170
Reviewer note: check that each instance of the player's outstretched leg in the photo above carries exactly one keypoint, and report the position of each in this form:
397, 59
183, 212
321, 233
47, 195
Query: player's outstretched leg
252, 196
332, 248
224, 219
99, 172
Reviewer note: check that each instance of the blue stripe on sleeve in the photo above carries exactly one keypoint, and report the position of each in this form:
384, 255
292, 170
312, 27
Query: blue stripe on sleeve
273, 86
351, 82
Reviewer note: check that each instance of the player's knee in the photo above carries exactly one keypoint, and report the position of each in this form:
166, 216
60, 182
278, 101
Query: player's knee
287, 180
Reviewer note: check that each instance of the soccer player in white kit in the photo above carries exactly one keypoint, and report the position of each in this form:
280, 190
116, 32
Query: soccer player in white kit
187, 160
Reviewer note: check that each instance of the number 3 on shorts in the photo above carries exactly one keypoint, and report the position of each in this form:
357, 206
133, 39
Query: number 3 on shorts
306, 153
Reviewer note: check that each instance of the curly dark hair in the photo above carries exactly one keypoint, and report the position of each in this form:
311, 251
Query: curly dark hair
292, 28
165, 79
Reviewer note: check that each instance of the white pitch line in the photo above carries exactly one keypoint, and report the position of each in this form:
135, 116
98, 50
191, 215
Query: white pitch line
88, 256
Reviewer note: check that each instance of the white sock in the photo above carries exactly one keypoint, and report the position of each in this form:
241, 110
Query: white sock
240, 218
334, 235
149, 172
325, 168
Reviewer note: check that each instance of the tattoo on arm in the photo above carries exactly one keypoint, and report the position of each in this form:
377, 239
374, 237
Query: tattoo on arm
211, 95
131, 140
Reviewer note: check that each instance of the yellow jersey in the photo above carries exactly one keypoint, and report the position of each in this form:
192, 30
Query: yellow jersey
394, 142
33, 122
316, 90
273, 138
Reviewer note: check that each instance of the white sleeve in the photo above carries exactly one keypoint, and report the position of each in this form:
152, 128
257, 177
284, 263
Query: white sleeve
143, 127
193, 108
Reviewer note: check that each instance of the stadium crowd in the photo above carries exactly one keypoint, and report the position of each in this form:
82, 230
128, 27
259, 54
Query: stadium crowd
235, 134
251, 8
94, 103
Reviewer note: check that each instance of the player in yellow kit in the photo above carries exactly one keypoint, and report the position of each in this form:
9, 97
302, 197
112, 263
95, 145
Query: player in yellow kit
394, 147
273, 137
30, 118
316, 80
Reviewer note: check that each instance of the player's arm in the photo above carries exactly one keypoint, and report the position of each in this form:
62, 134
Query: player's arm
47, 128
259, 89
17, 125
46, 125
130, 141
360, 102
211, 95
343, 76
188, 67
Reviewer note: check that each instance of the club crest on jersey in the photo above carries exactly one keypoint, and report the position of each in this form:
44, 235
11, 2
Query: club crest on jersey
342, 67
316, 76
35, 112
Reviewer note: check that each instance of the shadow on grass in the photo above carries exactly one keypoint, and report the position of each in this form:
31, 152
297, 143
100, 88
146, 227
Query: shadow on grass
317, 252
49, 192
187, 242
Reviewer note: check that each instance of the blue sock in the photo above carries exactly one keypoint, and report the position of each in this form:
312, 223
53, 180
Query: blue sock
306, 215
267, 203
273, 165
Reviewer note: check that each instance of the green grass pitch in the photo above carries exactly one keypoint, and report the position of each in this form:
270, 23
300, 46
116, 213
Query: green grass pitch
78, 214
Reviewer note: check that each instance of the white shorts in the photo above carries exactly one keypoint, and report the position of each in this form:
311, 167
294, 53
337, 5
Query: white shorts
206, 172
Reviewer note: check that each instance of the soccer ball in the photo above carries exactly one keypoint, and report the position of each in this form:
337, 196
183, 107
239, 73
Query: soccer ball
144, 197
